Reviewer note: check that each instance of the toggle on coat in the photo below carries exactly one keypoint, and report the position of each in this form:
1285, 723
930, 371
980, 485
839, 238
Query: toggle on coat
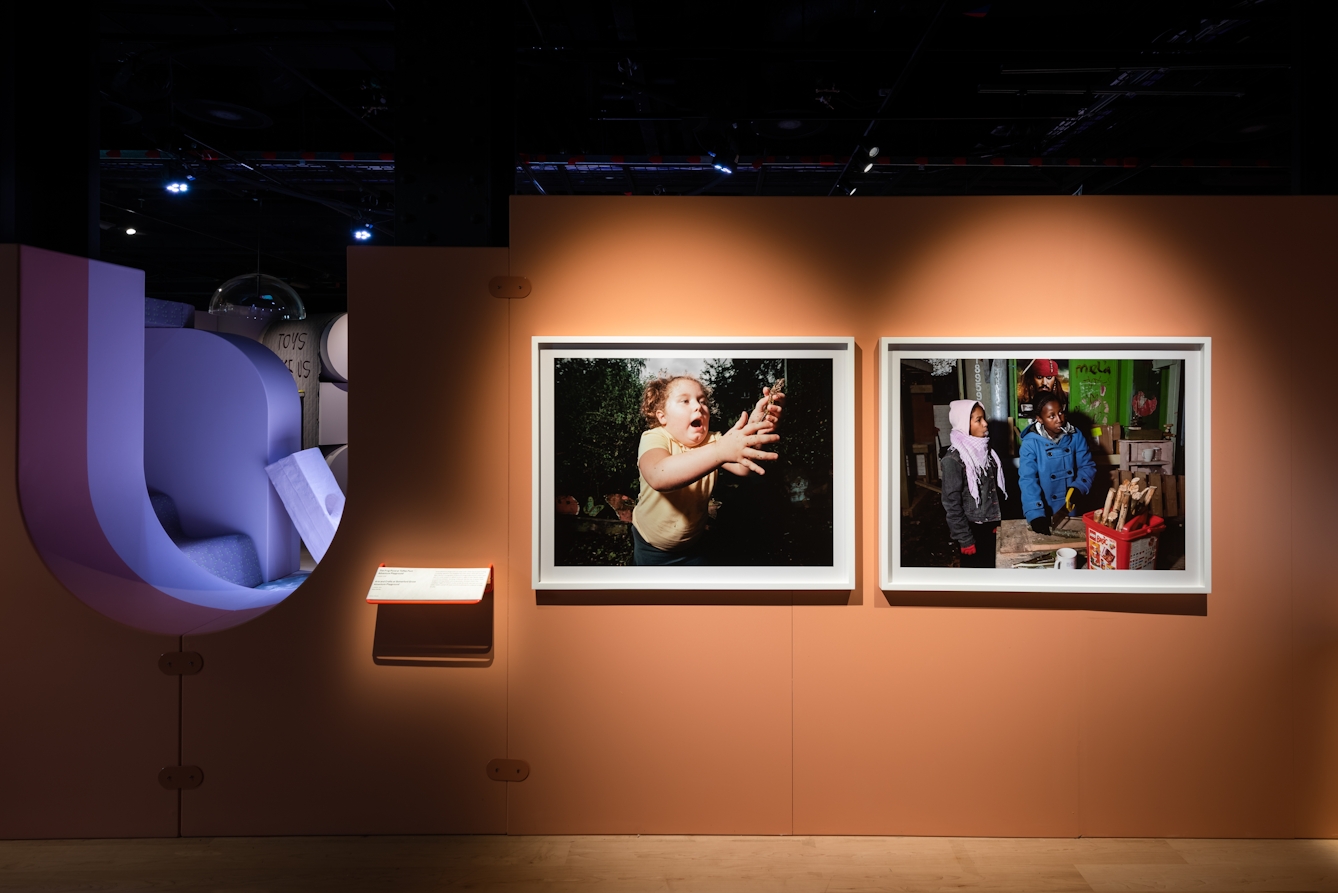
1046, 470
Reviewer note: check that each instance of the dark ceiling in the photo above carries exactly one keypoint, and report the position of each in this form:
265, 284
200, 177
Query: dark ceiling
285, 114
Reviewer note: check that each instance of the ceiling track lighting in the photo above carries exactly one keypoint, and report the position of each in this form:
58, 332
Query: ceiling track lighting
177, 179
362, 234
869, 157
720, 164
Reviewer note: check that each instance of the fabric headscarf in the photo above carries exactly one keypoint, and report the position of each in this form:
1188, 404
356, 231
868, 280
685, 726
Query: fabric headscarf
975, 451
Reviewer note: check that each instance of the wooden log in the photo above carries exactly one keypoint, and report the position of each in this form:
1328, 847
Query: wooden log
1076, 545
1158, 503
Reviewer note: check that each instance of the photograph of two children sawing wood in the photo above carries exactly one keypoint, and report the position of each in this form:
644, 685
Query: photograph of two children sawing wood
1042, 463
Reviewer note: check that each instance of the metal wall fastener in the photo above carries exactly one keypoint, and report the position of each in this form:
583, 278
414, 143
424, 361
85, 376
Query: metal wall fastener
181, 663
508, 770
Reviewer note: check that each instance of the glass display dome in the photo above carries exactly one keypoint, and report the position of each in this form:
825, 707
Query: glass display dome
257, 296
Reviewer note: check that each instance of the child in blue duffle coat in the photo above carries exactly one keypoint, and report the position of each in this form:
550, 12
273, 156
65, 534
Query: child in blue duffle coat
1054, 457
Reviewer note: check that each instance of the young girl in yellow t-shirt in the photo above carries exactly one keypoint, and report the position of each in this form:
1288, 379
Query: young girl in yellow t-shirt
678, 459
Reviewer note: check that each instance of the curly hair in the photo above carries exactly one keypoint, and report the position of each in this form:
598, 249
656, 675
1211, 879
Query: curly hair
657, 394
1043, 397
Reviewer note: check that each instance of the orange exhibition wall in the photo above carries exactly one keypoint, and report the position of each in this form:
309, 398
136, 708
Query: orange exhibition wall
768, 713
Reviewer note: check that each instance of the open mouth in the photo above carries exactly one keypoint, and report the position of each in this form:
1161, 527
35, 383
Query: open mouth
695, 423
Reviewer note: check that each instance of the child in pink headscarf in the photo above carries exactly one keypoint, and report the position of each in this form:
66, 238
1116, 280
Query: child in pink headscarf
972, 483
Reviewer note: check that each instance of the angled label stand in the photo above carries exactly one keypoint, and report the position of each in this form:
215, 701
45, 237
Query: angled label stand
413, 627
430, 585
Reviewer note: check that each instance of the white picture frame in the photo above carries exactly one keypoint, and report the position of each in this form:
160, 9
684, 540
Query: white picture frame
547, 574
1195, 578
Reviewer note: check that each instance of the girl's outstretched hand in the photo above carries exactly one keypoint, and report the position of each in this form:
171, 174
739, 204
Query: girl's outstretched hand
768, 409
738, 445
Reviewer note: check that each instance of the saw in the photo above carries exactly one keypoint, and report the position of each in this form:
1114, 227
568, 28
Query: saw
1060, 516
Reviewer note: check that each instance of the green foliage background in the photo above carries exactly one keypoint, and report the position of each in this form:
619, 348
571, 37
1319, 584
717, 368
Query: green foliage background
781, 518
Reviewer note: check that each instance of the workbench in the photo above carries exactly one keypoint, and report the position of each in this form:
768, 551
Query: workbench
1016, 535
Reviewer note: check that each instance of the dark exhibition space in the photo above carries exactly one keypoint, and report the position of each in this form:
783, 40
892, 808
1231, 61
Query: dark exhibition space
748, 399
302, 123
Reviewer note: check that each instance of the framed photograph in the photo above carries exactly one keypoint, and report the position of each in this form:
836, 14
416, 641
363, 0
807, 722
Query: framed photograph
665, 463
1026, 465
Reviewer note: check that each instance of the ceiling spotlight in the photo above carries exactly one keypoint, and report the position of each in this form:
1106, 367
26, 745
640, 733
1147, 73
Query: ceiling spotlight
177, 187
721, 164
873, 152
362, 234
130, 230
868, 167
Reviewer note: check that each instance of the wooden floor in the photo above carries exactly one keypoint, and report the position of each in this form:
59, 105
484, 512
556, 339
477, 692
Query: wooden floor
407, 864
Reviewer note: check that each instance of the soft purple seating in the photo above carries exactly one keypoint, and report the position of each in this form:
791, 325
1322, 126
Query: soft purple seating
231, 556
82, 452
168, 314
218, 409
311, 495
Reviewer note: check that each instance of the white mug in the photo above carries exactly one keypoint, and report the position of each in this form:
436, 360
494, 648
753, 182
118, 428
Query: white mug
1066, 559
1151, 453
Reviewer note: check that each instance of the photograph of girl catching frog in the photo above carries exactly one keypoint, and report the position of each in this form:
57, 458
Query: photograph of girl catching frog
692, 461
1032, 463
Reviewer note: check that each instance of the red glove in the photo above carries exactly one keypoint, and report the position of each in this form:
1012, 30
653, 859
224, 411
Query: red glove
969, 550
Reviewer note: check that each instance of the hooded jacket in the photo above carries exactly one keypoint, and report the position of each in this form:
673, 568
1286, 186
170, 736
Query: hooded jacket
1047, 468
958, 505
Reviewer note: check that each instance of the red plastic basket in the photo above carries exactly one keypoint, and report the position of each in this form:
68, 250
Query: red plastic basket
1111, 550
